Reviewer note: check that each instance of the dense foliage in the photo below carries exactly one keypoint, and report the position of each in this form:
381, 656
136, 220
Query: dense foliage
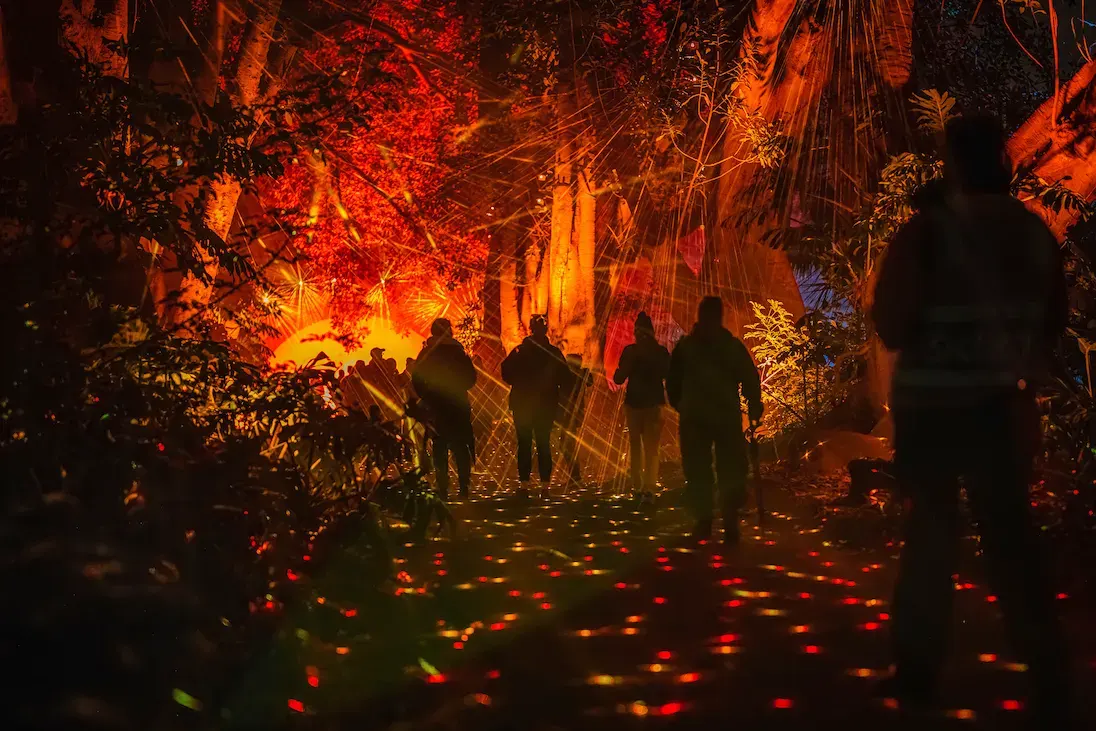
160, 493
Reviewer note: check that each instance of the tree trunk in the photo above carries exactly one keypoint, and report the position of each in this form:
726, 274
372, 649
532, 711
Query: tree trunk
894, 43
1063, 151
9, 113
509, 294
583, 341
742, 266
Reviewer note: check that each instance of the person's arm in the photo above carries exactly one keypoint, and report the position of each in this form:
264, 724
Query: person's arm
750, 379
675, 376
509, 364
468, 382
624, 368
898, 289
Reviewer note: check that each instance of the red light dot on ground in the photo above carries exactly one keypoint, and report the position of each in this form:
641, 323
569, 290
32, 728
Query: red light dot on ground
351, 612
623, 549
546, 605
660, 600
620, 585
782, 703
1063, 595
664, 655
991, 598
458, 645
538, 595
314, 681
435, 679
811, 649
813, 554
804, 595
734, 603
515, 592
728, 638
556, 574
688, 677
884, 617
871, 626
1011, 705
493, 674
725, 582
442, 572
296, 705
498, 625
670, 709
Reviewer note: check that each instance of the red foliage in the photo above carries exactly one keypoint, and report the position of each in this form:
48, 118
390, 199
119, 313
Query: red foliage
377, 214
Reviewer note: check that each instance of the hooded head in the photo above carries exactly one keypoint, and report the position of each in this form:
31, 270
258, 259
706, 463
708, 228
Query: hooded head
709, 315
538, 325
975, 157
644, 327
441, 328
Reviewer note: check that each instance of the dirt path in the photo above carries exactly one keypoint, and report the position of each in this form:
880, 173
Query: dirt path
582, 612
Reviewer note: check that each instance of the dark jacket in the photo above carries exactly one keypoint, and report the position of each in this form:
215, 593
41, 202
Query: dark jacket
972, 295
707, 369
442, 376
574, 393
644, 365
538, 376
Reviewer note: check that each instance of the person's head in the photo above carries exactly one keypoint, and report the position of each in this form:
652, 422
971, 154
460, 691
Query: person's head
409, 364
975, 158
710, 312
359, 365
377, 354
441, 328
538, 325
644, 327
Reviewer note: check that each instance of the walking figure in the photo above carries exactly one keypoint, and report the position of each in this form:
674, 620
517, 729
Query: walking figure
442, 376
710, 373
537, 375
643, 366
574, 412
972, 296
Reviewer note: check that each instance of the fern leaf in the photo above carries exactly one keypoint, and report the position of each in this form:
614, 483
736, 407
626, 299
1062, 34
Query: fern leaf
933, 109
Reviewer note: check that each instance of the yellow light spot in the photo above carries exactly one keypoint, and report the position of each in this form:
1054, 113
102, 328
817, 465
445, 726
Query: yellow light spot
509, 617
987, 657
585, 633
629, 631
725, 650
771, 612
604, 680
862, 672
639, 708
962, 714
801, 629
1016, 667
655, 668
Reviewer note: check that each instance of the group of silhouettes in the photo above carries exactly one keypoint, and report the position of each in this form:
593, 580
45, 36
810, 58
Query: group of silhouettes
971, 295
705, 380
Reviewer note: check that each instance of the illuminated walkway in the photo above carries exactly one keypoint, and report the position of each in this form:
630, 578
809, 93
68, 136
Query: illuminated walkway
588, 614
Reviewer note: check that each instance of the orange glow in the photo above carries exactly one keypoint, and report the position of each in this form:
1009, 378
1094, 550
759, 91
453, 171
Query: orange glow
305, 344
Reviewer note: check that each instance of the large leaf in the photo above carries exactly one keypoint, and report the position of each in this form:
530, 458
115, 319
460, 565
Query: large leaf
933, 109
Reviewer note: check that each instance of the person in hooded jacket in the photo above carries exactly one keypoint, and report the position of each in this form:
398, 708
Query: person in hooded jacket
643, 366
442, 376
538, 376
972, 296
711, 371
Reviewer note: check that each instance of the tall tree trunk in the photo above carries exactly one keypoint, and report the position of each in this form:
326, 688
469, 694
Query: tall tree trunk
556, 258
1063, 151
893, 43
9, 113
509, 293
585, 342
742, 266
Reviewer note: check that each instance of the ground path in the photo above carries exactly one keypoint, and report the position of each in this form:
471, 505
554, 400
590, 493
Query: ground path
584, 612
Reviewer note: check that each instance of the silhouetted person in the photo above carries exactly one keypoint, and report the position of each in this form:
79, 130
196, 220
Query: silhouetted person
972, 296
537, 374
644, 365
710, 372
442, 377
574, 412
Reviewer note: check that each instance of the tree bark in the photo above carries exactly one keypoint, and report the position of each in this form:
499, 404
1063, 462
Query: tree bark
583, 341
1063, 151
894, 21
